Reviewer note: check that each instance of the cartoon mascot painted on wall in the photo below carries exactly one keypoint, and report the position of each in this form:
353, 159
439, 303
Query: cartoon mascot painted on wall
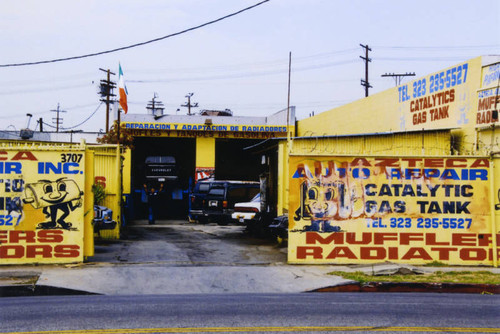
56, 198
326, 199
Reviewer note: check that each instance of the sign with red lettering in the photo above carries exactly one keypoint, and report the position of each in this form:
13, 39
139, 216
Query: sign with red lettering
440, 100
41, 206
408, 210
488, 96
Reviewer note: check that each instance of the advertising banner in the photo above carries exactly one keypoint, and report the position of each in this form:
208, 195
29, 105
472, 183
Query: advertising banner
440, 100
183, 130
407, 210
41, 206
204, 173
489, 96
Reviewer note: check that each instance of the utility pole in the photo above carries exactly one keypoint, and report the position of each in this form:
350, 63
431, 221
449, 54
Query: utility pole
156, 107
188, 103
397, 76
365, 82
57, 119
106, 92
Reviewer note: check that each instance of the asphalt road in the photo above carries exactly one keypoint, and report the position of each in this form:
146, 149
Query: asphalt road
306, 312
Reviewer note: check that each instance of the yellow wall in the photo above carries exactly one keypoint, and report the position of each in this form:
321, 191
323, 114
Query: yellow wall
487, 138
205, 152
45, 203
416, 126
127, 170
282, 179
436, 143
88, 236
365, 209
488, 95
429, 102
107, 173
428, 143
368, 115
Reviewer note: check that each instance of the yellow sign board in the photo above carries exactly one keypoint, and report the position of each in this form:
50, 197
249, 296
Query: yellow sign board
41, 206
204, 130
440, 100
408, 210
489, 96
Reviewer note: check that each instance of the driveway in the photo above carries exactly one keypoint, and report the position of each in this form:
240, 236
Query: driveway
177, 257
178, 242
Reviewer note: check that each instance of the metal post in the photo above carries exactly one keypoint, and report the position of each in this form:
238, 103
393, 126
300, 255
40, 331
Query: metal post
288, 103
493, 213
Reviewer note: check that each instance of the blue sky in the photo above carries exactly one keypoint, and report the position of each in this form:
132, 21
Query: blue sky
240, 63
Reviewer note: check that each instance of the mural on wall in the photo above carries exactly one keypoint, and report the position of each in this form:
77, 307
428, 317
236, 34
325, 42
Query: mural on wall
359, 209
41, 206
326, 198
57, 199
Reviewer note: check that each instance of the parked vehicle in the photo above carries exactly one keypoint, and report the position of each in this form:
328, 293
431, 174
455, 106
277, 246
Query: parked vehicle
197, 198
245, 212
221, 198
160, 169
103, 219
279, 229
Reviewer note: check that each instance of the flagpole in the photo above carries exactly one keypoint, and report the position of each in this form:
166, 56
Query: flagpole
122, 100
118, 127
288, 103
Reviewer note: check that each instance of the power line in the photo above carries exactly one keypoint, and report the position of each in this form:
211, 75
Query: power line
79, 124
433, 59
41, 90
86, 120
463, 47
246, 74
137, 44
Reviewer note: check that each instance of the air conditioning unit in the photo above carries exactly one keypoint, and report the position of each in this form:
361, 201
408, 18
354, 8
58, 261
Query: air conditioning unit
26, 133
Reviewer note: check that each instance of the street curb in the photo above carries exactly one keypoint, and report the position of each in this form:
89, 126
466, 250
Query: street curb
413, 287
23, 290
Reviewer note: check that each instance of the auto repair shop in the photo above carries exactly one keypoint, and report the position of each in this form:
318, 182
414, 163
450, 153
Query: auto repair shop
202, 146
408, 175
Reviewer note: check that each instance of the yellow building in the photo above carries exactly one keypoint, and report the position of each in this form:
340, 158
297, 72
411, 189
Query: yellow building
407, 175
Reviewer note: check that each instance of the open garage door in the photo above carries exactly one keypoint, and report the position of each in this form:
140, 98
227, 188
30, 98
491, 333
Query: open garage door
174, 199
232, 162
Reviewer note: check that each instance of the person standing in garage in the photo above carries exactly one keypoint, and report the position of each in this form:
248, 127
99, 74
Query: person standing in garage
153, 196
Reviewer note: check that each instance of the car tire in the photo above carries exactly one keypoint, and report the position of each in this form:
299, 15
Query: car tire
222, 222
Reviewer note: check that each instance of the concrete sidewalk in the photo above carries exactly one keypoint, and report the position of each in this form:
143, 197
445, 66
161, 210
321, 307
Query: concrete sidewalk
158, 278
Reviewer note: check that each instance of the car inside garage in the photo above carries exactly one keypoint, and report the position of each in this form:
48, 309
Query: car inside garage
174, 197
